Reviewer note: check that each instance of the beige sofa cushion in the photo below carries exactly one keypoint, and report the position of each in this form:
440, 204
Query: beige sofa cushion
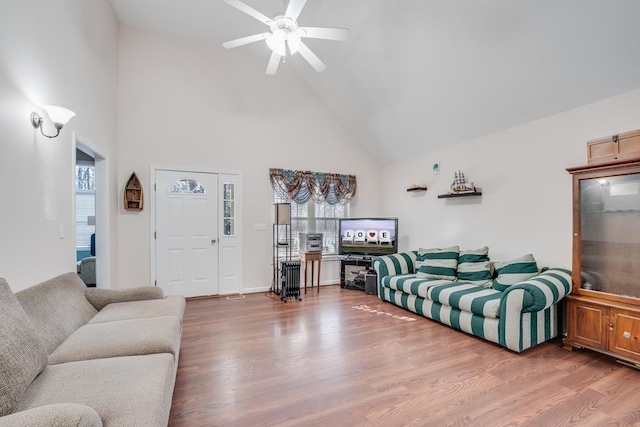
57, 308
100, 298
173, 305
124, 391
22, 355
120, 338
57, 415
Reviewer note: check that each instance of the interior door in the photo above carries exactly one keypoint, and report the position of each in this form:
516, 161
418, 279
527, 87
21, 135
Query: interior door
186, 233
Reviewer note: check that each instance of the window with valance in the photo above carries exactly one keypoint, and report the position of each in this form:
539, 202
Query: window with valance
321, 187
318, 200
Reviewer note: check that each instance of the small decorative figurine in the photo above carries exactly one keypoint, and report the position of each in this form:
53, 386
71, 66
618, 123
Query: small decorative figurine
460, 184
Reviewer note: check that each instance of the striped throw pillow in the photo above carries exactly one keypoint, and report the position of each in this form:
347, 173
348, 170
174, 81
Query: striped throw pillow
439, 263
474, 267
514, 271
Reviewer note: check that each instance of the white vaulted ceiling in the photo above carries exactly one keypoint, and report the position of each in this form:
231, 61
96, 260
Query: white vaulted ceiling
418, 75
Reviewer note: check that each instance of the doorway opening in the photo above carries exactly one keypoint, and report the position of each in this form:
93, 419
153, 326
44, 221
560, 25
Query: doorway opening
91, 208
85, 214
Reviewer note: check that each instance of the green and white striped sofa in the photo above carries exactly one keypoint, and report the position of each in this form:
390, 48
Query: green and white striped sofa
522, 316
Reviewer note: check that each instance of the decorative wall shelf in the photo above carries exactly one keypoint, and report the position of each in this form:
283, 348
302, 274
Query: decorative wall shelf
417, 189
454, 195
133, 197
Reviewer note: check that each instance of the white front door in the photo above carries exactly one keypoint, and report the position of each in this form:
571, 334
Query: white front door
186, 233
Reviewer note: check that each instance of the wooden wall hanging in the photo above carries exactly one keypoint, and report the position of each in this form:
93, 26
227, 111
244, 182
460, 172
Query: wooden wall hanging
133, 196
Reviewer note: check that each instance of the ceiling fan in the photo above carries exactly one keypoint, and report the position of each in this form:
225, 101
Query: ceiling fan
286, 35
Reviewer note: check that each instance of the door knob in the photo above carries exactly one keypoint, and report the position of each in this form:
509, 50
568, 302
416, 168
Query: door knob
213, 242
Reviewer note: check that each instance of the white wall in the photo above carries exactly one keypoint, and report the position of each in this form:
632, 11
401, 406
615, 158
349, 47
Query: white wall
65, 53
187, 104
526, 201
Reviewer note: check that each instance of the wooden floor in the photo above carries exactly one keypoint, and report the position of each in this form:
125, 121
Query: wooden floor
343, 358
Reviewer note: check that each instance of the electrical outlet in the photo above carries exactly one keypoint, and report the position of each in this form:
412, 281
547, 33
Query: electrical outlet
61, 231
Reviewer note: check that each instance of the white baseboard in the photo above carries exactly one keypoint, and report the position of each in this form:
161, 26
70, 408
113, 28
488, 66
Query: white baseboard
257, 289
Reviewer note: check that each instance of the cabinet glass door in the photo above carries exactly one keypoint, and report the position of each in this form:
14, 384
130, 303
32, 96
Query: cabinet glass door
610, 234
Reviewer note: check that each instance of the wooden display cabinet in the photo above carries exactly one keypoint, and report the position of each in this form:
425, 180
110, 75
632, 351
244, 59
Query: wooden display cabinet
603, 311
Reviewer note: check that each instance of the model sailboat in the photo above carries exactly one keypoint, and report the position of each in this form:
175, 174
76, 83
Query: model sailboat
460, 184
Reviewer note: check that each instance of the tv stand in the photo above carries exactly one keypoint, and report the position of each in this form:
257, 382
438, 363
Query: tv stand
348, 266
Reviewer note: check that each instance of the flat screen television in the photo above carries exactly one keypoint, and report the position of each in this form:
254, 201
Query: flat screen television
368, 236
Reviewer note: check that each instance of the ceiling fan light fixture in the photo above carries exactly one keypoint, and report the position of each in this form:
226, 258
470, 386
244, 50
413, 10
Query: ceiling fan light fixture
293, 41
277, 42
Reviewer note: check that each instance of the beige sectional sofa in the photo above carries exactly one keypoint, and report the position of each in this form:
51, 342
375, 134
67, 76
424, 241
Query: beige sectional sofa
72, 355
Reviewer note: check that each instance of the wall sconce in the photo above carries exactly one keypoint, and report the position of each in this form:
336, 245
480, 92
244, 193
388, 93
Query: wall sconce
60, 116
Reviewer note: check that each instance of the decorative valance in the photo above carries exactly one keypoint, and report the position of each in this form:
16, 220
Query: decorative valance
301, 186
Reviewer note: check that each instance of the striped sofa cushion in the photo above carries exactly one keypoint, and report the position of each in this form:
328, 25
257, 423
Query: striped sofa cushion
399, 263
474, 267
439, 263
514, 271
467, 297
411, 284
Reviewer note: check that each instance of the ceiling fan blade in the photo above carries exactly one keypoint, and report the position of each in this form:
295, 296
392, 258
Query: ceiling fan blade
274, 61
245, 40
311, 58
294, 9
249, 11
340, 34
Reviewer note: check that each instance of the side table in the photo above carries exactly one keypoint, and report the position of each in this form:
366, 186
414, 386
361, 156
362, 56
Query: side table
305, 258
